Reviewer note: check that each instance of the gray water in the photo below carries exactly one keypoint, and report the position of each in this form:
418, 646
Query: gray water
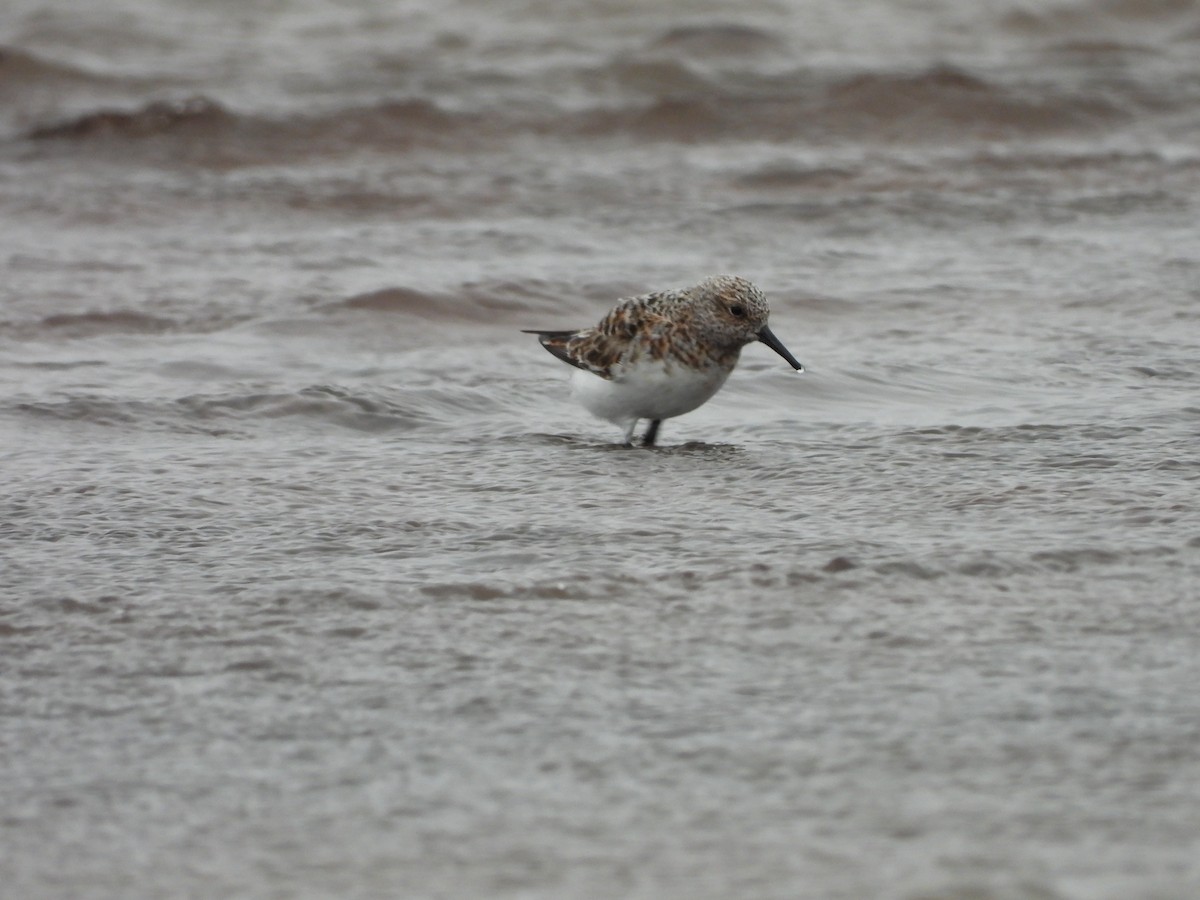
315, 583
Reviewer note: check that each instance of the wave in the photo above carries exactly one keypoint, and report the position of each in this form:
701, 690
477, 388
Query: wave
357, 410
852, 573
202, 131
236, 413
661, 100
118, 321
990, 564
194, 114
483, 302
22, 71
519, 303
718, 39
96, 323
1105, 16
33, 86
946, 97
931, 105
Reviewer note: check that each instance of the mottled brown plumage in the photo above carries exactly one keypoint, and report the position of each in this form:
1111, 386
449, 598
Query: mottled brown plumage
691, 327
665, 353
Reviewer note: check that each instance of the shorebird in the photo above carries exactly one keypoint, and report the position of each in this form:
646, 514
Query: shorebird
663, 354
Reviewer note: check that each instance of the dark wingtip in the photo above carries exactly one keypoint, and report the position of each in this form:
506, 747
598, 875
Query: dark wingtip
549, 335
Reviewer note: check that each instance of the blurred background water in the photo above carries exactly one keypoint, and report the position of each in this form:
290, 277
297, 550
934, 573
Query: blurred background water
315, 583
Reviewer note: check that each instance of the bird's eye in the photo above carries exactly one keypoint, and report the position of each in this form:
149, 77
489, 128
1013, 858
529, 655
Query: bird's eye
737, 311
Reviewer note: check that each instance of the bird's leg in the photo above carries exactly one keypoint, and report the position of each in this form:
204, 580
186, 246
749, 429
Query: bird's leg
629, 433
651, 433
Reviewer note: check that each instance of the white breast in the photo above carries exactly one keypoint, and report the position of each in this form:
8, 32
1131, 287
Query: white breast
648, 391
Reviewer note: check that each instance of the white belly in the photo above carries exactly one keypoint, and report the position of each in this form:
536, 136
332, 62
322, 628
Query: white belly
649, 391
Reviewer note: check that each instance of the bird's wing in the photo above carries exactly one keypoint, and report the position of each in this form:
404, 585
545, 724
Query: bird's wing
559, 343
588, 350
601, 349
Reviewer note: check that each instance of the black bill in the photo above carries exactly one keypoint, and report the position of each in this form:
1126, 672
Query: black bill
765, 335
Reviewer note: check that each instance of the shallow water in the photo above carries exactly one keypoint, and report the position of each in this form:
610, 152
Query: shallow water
315, 583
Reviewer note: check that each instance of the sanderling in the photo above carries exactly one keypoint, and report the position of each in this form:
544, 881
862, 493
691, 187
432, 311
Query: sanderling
664, 354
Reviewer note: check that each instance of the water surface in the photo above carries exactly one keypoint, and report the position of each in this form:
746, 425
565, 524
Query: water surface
316, 584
